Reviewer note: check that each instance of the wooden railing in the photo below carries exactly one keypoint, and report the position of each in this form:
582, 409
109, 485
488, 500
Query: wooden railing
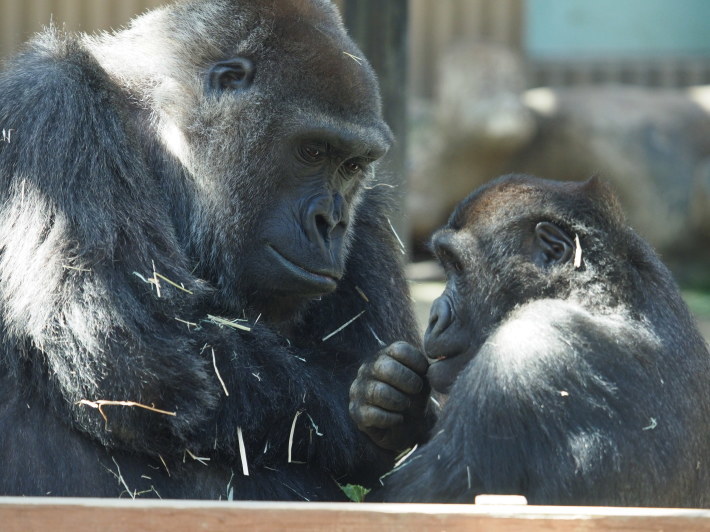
109, 515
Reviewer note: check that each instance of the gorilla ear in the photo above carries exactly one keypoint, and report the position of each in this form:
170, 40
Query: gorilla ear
551, 245
233, 74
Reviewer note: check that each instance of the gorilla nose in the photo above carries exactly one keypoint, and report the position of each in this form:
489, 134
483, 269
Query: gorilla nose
324, 219
441, 317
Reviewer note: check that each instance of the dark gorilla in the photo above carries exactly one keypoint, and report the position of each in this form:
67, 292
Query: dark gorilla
574, 372
188, 211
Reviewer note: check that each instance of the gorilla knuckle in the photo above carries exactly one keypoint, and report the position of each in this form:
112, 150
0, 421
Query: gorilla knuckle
410, 356
400, 376
377, 393
381, 419
399, 348
356, 413
355, 391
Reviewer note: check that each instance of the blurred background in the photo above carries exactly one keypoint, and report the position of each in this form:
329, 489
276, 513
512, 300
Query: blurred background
563, 89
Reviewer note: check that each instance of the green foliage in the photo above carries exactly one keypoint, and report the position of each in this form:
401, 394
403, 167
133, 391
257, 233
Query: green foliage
354, 492
698, 301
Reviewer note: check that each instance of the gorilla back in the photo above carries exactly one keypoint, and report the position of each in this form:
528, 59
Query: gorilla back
574, 371
185, 217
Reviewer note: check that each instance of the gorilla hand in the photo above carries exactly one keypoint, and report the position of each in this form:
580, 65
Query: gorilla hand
389, 396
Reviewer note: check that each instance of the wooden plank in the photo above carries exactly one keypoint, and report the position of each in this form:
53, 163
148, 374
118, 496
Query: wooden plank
108, 515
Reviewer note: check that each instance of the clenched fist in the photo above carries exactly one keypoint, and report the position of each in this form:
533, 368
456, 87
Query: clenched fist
389, 396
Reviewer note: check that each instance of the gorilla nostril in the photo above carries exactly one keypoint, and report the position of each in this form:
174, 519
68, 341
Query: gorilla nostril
440, 318
323, 227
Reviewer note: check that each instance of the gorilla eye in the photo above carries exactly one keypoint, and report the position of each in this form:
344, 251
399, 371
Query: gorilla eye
352, 167
449, 259
313, 153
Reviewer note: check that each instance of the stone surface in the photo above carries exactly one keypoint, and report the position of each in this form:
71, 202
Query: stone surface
652, 145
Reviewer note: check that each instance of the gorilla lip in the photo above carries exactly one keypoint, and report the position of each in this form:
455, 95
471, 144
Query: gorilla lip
327, 281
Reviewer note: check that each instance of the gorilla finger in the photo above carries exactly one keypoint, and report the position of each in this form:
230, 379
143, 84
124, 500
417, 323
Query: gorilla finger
356, 390
398, 375
408, 355
368, 416
383, 395
364, 371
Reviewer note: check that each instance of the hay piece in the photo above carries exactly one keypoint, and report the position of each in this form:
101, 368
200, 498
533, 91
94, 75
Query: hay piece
355, 58
290, 437
223, 322
188, 323
403, 457
402, 247
155, 280
122, 480
346, 324
379, 342
103, 402
315, 427
214, 363
165, 465
652, 425
202, 459
230, 488
178, 286
362, 294
577, 253
76, 268
242, 452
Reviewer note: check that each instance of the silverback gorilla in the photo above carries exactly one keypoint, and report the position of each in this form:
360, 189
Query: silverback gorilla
573, 371
188, 212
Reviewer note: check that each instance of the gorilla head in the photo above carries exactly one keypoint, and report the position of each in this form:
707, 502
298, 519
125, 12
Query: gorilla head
510, 242
277, 122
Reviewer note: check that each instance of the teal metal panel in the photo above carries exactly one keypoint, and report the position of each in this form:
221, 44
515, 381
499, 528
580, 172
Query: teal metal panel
626, 28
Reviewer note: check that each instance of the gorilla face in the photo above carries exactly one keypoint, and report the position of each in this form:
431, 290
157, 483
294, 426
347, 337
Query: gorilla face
456, 327
493, 261
301, 250
285, 152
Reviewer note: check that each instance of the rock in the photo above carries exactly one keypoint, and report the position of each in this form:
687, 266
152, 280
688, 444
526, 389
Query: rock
652, 145
477, 121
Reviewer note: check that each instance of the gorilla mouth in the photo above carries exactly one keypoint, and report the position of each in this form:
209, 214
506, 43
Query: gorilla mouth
443, 370
323, 282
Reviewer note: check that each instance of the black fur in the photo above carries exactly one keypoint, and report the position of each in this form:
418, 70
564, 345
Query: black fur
575, 381
125, 161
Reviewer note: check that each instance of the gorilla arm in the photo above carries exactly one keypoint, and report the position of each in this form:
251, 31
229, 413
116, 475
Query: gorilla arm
540, 396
